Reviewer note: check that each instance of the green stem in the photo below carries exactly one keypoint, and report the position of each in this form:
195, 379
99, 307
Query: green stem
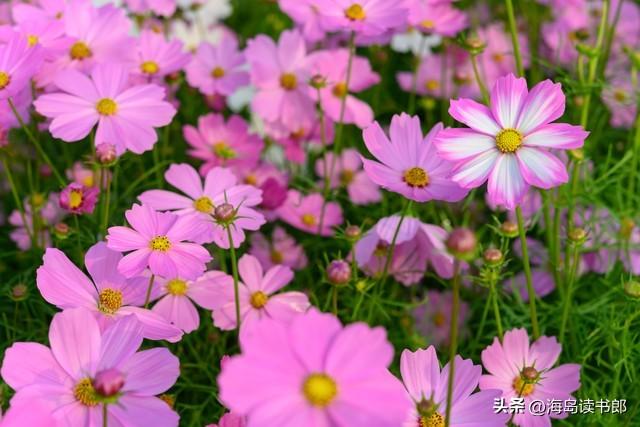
634, 159
514, 37
18, 202
551, 241
35, 142
107, 199
387, 262
147, 298
568, 295
481, 85
493, 293
453, 339
527, 273
104, 415
234, 270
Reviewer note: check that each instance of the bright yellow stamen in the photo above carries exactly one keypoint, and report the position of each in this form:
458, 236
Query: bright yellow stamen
160, 243
288, 81
149, 67
355, 12
432, 84
5, 79
223, 151
107, 107
319, 390
346, 177
433, 420
85, 393
508, 140
521, 387
217, 73
438, 319
80, 51
276, 257
309, 220
109, 300
428, 24
340, 90
177, 287
75, 199
416, 177
258, 299
203, 204
32, 40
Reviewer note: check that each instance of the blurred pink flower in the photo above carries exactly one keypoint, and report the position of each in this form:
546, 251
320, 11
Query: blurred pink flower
159, 7
18, 63
78, 199
320, 373
306, 15
32, 414
157, 241
156, 57
257, 296
569, 27
497, 58
295, 143
432, 318
436, 17
280, 249
46, 211
230, 420
367, 18
306, 213
543, 281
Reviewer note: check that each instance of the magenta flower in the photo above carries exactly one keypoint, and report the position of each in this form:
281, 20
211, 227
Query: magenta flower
280, 74
177, 297
157, 241
332, 66
78, 199
436, 17
427, 386
156, 57
280, 249
520, 369
257, 296
432, 318
364, 17
230, 420
306, 15
18, 63
126, 117
220, 186
509, 143
220, 143
218, 70
107, 295
320, 374
410, 165
347, 172
63, 377
296, 143
159, 7
305, 212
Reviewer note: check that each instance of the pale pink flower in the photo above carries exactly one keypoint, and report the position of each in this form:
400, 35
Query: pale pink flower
159, 7
310, 213
18, 63
367, 18
436, 17
156, 57
432, 318
280, 249
306, 14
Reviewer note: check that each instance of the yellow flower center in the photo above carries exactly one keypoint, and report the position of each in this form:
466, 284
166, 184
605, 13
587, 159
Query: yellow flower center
432, 84
250, 179
438, 319
619, 95
258, 299
498, 57
88, 181
433, 420
522, 387
340, 90
309, 219
355, 12
508, 140
149, 67
5, 79
32, 40
177, 287
276, 257
416, 177
380, 250
319, 390
80, 51
428, 24
109, 300
203, 204
223, 151
85, 393
217, 73
288, 81
75, 199
346, 177
107, 107
160, 243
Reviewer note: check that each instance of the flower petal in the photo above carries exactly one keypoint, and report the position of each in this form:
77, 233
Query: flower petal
474, 115
544, 104
557, 135
506, 185
507, 98
541, 168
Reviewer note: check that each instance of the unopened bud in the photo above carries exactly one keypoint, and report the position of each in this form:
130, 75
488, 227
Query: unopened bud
61, 230
509, 229
339, 272
352, 232
106, 153
224, 213
45, 171
529, 373
492, 256
19, 292
577, 154
577, 235
475, 45
318, 81
632, 288
108, 382
462, 243
626, 228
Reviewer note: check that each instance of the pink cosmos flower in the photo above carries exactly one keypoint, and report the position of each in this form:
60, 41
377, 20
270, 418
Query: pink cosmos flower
427, 386
22, 102
230, 420
306, 15
621, 99
436, 17
410, 165
30, 414
218, 70
497, 58
220, 186
157, 240
78, 199
40, 9
156, 57
320, 374
520, 369
332, 66
569, 27
304, 212
126, 117
258, 299
159, 7
281, 249
221, 143
509, 143
367, 18
433, 317
18, 63
63, 377
107, 295
46, 211
347, 171
296, 143
280, 74
43, 32
543, 282
177, 298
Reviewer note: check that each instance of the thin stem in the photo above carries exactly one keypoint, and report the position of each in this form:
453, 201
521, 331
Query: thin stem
104, 415
527, 273
18, 202
147, 298
493, 293
35, 142
634, 159
568, 295
234, 271
107, 197
453, 338
514, 37
551, 241
334, 300
387, 263
481, 85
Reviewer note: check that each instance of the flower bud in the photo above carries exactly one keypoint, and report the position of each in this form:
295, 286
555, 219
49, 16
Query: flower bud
475, 45
632, 288
106, 153
19, 292
626, 228
318, 81
4, 137
108, 382
529, 373
273, 194
577, 235
353, 233
224, 213
462, 243
61, 230
509, 229
339, 272
577, 154
45, 171
492, 256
